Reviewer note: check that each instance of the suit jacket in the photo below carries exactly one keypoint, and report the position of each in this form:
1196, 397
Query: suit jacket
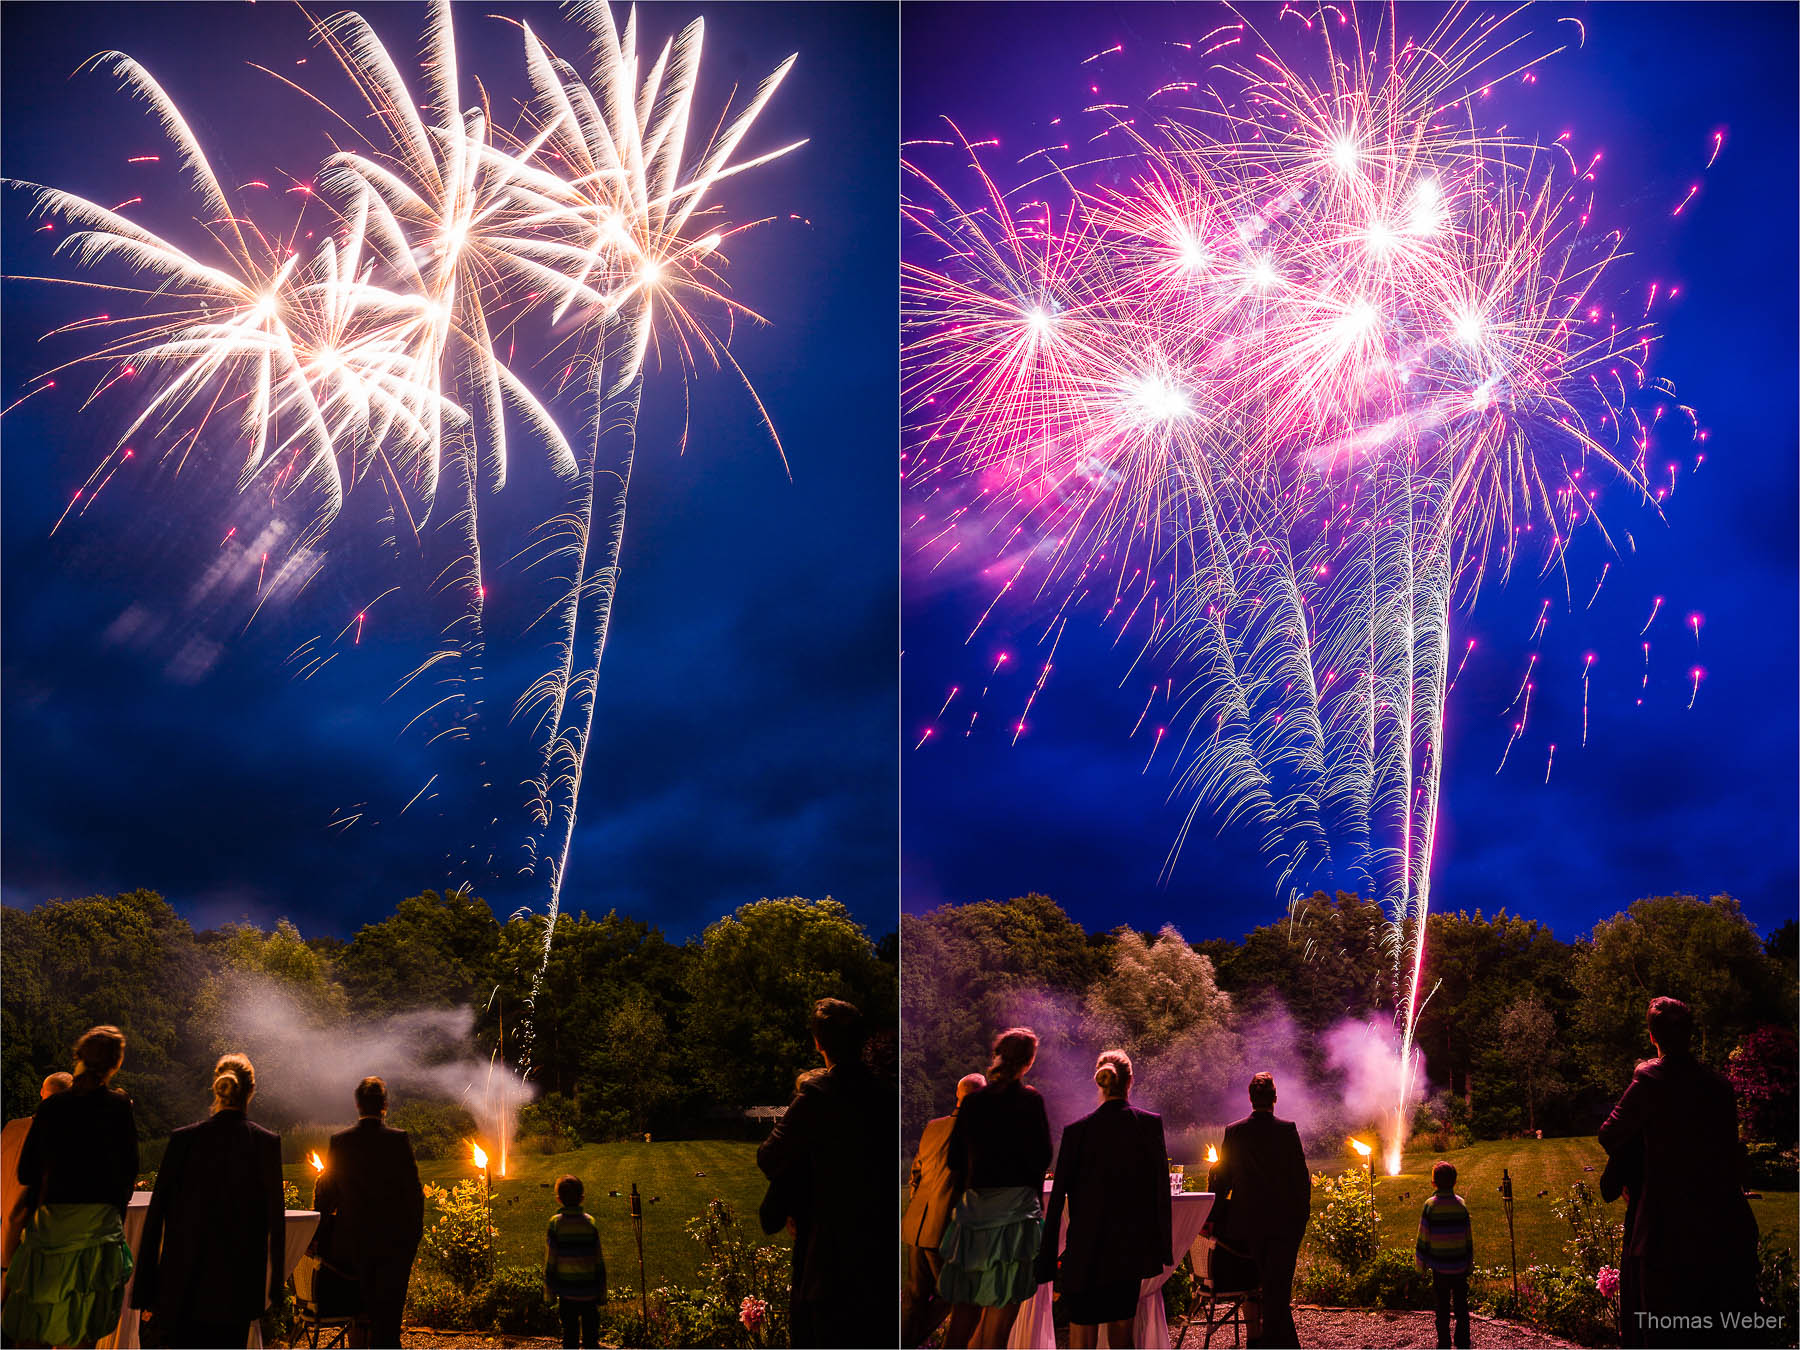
1264, 1190
82, 1148
1112, 1172
827, 1151
1691, 1245
933, 1192
215, 1236
373, 1211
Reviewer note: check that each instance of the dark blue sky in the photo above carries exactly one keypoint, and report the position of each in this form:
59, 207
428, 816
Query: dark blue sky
1663, 799
744, 746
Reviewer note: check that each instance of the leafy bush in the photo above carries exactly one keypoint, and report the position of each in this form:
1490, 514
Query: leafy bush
1594, 1240
551, 1124
1345, 1228
1773, 1167
433, 1299
1779, 1292
1569, 1303
1491, 1292
516, 1302
1392, 1280
1325, 1283
460, 1244
437, 1129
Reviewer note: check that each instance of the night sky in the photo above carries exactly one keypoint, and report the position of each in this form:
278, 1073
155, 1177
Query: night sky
1663, 800
745, 742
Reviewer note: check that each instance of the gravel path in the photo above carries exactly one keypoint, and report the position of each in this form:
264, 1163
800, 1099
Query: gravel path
1372, 1329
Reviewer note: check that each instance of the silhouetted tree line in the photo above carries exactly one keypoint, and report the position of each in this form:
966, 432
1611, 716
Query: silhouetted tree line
632, 1032
1520, 1030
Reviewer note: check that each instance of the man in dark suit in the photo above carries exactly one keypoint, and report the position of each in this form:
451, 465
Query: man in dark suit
1690, 1251
1264, 1198
827, 1151
928, 1208
373, 1214
213, 1254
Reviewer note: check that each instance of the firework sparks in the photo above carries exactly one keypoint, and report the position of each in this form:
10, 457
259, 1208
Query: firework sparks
1301, 367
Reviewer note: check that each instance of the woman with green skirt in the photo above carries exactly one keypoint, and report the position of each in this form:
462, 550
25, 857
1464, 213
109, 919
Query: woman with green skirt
66, 1283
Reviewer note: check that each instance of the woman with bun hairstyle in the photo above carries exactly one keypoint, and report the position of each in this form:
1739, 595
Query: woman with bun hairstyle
1112, 1172
213, 1255
78, 1165
998, 1153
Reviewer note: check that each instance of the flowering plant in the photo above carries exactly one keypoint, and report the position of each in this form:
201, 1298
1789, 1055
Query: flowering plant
1607, 1282
752, 1313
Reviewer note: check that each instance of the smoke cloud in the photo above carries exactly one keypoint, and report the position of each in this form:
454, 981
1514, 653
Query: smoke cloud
309, 1060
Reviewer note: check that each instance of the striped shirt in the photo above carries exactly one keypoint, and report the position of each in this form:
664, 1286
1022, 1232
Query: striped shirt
574, 1265
1446, 1241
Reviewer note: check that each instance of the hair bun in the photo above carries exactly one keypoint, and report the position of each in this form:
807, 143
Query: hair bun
1106, 1076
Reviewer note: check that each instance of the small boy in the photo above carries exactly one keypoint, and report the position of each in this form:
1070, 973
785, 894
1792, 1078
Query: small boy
575, 1267
1447, 1250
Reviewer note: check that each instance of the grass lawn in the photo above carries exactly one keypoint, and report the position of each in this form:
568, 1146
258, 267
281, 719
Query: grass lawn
1548, 1165
664, 1172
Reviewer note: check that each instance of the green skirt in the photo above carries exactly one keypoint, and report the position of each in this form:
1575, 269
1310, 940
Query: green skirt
989, 1247
66, 1283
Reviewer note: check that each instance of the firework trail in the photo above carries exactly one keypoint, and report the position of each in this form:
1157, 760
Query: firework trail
376, 353
1311, 358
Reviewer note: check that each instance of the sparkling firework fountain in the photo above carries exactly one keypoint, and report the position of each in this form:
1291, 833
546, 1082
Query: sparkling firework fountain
1318, 356
374, 355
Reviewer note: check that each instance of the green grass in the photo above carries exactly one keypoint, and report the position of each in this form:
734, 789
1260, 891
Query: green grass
524, 1201
1548, 1165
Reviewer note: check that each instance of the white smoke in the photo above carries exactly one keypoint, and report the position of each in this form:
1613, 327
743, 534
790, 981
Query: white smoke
309, 1061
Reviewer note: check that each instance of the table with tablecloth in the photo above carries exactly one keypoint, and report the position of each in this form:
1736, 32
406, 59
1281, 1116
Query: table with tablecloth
1035, 1329
300, 1226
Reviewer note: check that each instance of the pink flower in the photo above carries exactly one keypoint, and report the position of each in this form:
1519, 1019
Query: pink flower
1607, 1282
752, 1312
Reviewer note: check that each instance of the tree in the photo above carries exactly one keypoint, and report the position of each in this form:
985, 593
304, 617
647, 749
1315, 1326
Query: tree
1704, 952
753, 986
1762, 1071
971, 971
126, 959
432, 951
1527, 1045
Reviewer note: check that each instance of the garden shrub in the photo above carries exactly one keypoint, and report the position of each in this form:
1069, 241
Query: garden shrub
1325, 1283
1772, 1167
516, 1303
1569, 1303
433, 1299
1345, 1228
1594, 1240
1392, 1280
437, 1129
460, 1243
1779, 1292
551, 1124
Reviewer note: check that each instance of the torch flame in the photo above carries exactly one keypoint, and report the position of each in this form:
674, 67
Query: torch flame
480, 1154
1361, 1148
317, 1162
1212, 1154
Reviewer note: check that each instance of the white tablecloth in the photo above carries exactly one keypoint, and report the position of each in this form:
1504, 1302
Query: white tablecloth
300, 1226
1035, 1329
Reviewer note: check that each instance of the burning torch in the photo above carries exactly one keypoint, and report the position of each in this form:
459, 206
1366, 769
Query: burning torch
481, 1161
637, 1228
1212, 1161
318, 1167
1511, 1241
1365, 1151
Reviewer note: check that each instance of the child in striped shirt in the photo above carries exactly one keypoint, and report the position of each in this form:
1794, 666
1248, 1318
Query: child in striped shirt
1447, 1250
574, 1266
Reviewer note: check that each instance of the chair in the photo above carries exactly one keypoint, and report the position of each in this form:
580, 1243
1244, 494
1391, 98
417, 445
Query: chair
1223, 1283
323, 1303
